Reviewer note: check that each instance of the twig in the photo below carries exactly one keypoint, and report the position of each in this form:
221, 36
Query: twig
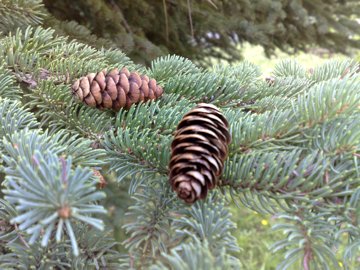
307, 249
190, 19
20, 236
63, 170
131, 261
166, 22
212, 3
126, 25
307, 258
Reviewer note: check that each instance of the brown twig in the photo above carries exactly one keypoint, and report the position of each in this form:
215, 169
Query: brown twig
20, 236
190, 19
118, 9
166, 22
63, 170
307, 258
132, 261
212, 3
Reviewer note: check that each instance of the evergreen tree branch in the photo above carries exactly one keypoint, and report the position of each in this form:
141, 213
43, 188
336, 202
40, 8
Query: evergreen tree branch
207, 221
309, 238
20, 13
70, 195
195, 255
295, 149
7, 82
150, 233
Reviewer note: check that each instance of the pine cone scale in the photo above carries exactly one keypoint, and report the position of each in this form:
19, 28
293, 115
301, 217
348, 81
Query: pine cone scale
79, 93
188, 138
198, 176
207, 132
210, 144
85, 86
134, 94
122, 97
135, 78
96, 92
215, 163
100, 79
191, 149
125, 71
111, 87
145, 89
124, 83
106, 100
91, 77
90, 100
194, 119
114, 74
185, 157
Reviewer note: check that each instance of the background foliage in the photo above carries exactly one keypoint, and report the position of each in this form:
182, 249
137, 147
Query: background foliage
200, 30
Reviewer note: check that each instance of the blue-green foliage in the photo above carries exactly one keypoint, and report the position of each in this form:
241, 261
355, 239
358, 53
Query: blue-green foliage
294, 154
196, 255
40, 185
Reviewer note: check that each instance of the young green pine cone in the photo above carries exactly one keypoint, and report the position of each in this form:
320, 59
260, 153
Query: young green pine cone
114, 89
199, 149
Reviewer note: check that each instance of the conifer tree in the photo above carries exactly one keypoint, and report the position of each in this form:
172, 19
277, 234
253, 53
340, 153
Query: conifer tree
199, 30
294, 153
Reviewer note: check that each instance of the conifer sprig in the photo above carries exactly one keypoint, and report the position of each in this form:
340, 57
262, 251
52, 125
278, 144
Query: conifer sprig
66, 195
20, 13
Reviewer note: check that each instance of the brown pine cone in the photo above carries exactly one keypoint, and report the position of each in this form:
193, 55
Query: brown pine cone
199, 149
114, 89
102, 182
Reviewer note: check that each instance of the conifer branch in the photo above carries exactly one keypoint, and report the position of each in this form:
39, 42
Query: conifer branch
20, 13
43, 213
294, 153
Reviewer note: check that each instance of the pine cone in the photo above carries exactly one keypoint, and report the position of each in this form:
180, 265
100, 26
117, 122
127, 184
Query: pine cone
102, 182
199, 149
114, 89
